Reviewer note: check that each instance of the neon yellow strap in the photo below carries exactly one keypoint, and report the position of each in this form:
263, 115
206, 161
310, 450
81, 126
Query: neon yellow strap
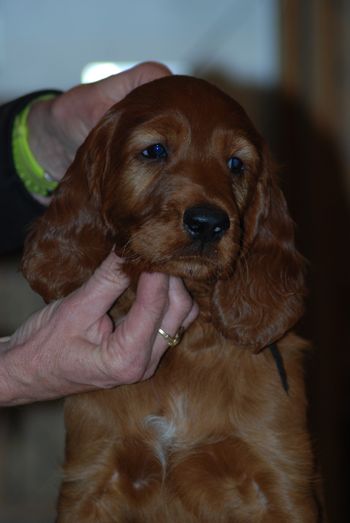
33, 176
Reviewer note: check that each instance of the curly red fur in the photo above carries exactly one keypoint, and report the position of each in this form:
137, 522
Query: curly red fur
213, 436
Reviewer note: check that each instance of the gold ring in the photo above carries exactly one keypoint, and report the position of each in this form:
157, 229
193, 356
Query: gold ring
172, 341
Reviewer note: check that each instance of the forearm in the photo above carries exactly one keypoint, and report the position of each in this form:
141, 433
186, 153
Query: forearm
17, 207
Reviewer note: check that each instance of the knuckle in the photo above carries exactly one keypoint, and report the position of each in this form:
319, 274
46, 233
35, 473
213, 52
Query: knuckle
128, 367
65, 313
154, 68
133, 374
106, 273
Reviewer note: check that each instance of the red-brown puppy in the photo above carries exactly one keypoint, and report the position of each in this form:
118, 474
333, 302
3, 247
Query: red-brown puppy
178, 179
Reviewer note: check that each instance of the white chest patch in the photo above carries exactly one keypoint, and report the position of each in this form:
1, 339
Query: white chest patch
169, 430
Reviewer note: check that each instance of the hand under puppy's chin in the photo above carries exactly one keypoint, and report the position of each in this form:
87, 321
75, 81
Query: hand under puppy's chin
133, 266
190, 270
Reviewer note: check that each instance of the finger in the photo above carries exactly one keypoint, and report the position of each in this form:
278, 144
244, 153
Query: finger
192, 315
180, 306
146, 72
143, 319
183, 300
126, 353
180, 312
97, 295
116, 87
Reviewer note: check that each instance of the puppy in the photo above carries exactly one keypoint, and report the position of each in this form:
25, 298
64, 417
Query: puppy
177, 178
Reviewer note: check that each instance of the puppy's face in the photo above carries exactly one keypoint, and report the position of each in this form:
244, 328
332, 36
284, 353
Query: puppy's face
183, 164
176, 178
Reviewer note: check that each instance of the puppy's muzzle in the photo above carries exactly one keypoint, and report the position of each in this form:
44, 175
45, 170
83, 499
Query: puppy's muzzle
205, 223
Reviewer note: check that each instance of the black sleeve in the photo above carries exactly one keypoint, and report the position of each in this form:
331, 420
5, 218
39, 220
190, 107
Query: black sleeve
17, 207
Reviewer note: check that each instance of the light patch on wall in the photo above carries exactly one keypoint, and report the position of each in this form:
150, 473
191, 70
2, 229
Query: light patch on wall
98, 70
95, 71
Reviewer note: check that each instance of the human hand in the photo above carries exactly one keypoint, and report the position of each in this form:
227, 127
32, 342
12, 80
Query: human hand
72, 346
59, 126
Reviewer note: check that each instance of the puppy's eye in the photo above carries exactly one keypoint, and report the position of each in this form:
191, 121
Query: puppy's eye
235, 165
156, 151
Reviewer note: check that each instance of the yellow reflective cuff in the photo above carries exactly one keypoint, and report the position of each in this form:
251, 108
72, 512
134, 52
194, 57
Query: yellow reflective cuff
33, 176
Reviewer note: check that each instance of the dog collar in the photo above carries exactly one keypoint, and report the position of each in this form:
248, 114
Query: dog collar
277, 356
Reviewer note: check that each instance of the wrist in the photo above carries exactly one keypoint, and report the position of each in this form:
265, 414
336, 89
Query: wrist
34, 175
45, 140
8, 396
17, 380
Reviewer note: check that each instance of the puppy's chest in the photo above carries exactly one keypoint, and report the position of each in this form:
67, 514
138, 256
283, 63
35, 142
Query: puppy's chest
202, 392
194, 398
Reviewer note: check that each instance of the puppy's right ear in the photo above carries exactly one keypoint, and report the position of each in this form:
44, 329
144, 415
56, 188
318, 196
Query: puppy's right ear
69, 241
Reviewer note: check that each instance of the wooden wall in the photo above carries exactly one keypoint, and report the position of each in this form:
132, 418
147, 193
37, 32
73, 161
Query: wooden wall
314, 147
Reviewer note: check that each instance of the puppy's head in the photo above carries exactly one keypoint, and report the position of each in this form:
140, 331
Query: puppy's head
183, 165
178, 179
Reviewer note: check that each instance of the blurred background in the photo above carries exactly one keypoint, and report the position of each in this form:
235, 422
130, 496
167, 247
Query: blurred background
287, 63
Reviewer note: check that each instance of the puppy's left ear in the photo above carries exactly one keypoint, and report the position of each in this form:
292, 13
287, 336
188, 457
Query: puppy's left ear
264, 297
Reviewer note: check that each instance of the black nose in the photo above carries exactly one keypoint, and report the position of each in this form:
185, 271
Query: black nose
205, 223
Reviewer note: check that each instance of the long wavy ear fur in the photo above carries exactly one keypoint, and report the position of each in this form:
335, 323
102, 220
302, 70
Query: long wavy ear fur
264, 297
69, 241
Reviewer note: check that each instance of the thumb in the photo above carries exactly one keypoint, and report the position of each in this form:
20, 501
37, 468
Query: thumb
98, 294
